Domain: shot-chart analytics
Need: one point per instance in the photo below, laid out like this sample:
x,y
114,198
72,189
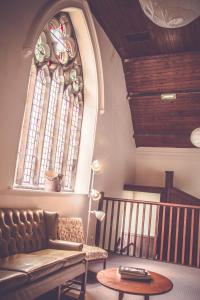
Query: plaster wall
x,y
151,164
113,145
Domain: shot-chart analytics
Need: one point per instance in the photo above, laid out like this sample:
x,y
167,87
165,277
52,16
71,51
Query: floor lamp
x,y
95,196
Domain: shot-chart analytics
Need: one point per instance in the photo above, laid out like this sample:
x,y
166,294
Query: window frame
x,y
41,134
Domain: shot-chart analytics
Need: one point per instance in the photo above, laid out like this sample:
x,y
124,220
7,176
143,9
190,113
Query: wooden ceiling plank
x,y
155,60
181,141
163,73
124,17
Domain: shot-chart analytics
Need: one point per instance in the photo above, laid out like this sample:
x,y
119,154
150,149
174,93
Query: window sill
x,y
41,193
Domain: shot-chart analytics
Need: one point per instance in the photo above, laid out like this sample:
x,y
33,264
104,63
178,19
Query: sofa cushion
x,y
68,258
11,279
93,253
35,266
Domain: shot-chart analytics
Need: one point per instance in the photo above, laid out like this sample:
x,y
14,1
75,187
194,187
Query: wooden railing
x,y
163,231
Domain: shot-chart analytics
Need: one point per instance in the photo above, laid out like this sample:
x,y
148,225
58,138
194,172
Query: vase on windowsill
x,y
53,181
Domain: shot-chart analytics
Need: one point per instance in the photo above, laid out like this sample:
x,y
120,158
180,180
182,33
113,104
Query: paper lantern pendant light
x,y
171,13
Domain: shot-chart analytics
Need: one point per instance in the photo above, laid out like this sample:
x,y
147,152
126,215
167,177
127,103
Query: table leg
x,y
146,297
120,296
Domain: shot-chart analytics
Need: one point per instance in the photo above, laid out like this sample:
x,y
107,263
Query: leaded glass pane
x,y
33,133
62,132
48,136
74,141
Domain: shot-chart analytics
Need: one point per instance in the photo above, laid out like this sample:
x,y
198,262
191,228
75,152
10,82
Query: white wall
x,y
151,164
114,144
114,147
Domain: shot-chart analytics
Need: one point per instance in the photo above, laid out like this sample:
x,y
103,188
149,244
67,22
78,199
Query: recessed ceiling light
x,y
168,97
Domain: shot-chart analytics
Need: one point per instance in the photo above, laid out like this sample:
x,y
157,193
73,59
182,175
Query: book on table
x,y
134,273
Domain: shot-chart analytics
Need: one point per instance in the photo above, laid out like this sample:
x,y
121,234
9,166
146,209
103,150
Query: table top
x,y
159,284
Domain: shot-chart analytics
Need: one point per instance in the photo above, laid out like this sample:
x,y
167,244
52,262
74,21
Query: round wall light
x,y
195,137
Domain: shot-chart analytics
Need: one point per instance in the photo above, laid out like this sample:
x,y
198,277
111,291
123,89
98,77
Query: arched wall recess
x,y
46,13
73,7
92,72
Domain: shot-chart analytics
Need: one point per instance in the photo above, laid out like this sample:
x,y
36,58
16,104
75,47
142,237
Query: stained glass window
x,y
52,122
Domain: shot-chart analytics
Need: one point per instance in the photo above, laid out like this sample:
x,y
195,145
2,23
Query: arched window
x,y
51,129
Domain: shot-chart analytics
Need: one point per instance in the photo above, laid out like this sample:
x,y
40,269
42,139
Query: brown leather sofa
x,y
32,260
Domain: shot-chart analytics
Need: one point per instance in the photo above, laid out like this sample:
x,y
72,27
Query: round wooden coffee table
x,y
156,286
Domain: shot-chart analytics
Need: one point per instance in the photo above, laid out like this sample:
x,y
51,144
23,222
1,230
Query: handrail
x,y
152,203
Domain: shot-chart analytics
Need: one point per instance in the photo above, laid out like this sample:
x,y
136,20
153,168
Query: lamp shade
x,y
100,215
195,137
95,166
96,195
171,13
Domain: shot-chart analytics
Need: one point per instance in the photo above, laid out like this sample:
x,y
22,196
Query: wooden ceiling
x,y
156,60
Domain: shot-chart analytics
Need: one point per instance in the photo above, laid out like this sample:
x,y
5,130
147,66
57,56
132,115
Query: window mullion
x,y
77,143
67,138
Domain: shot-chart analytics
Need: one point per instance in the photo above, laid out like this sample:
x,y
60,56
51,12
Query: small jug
x,y
53,181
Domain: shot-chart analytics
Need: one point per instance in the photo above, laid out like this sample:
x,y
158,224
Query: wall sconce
x,y
195,137
95,196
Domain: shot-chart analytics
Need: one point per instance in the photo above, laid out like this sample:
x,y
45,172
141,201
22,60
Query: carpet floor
x,y
186,280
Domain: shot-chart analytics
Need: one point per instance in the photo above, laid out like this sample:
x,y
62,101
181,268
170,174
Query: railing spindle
x,y
124,217
129,227
162,232
176,237
191,238
117,226
198,248
169,235
136,226
142,233
156,232
149,231
111,225
105,223
184,236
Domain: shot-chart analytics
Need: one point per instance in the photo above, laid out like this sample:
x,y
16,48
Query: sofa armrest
x,y
64,245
